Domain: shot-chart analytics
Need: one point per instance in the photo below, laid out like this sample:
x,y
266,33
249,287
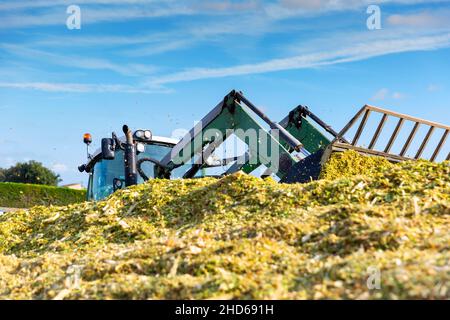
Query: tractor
x,y
293,150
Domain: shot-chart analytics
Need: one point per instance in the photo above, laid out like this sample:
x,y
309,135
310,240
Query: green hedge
x,y
18,195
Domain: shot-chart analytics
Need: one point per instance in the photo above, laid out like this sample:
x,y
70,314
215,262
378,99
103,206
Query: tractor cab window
x,y
109,175
105,173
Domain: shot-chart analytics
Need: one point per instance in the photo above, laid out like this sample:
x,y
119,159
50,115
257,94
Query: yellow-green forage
x,y
351,163
383,233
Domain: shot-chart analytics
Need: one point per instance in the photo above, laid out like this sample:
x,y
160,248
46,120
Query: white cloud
x,y
83,88
19,15
425,19
384,94
89,15
226,5
59,168
358,52
381,94
398,95
46,13
197,5
79,62
291,8
433,87
160,48
319,58
183,35
32,4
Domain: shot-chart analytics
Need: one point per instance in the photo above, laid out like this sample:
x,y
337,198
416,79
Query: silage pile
x,y
240,237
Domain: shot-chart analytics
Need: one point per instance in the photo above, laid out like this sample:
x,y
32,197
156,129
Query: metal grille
x,y
341,144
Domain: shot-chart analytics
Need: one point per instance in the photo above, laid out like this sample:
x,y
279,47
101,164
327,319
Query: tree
x,y
30,172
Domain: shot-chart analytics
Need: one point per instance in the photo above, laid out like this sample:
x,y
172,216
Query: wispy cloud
x,y
180,36
425,19
384,94
398,95
197,5
59,167
381,94
432,87
26,14
290,8
358,52
32,4
79,62
355,53
83,88
162,47
47,13
57,15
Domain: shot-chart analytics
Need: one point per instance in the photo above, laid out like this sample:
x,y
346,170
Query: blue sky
x,y
162,65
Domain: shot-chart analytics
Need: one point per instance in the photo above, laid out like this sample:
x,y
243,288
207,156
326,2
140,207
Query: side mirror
x,y
108,147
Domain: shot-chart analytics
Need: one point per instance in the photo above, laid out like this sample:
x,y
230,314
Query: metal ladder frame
x,y
339,144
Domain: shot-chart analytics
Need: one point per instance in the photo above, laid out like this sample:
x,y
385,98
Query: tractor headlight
x,y
143,135
139,134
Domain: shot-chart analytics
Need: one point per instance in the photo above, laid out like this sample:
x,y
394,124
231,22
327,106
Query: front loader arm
x,y
231,116
299,123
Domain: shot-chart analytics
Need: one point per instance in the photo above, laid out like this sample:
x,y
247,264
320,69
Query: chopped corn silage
x,y
240,237
351,163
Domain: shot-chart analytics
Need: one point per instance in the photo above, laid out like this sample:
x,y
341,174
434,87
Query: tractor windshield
x,y
108,173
